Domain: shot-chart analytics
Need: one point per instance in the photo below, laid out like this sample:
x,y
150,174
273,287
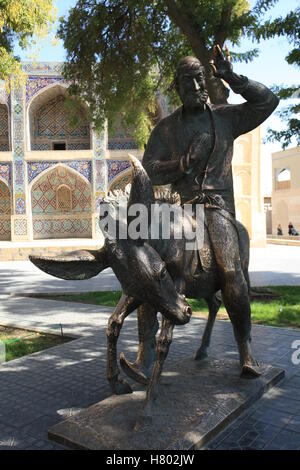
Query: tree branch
x,y
184,23
221,33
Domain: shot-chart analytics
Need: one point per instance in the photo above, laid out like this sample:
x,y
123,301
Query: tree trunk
x,y
218,92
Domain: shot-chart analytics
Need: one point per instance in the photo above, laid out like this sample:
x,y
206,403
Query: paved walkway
x,y
273,265
39,390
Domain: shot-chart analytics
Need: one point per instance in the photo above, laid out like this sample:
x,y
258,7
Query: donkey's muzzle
x,y
185,316
188,311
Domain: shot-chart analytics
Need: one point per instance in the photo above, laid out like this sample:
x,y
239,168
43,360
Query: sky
x,y
269,68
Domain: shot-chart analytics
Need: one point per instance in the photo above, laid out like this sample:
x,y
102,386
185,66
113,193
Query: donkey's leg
x,y
125,306
140,370
163,345
213,303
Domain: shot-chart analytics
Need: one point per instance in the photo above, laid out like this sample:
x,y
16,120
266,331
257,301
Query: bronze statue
x,y
192,150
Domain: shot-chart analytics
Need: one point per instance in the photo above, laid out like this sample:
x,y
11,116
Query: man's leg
x,y
224,239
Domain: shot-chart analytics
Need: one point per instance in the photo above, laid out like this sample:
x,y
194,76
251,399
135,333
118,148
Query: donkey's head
x,y
138,266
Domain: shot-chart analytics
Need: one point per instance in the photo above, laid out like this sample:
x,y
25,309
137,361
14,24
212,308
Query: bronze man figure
x,y
192,150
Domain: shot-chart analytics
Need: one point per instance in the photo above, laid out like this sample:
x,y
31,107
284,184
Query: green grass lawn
x,y
20,343
275,306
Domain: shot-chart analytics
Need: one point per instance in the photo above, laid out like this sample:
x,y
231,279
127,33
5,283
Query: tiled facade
x,y
53,174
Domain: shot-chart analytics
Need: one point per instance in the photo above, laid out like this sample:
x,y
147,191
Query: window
x,y
283,179
59,145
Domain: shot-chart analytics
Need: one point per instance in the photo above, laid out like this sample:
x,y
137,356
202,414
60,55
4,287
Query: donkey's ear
x,y
141,186
76,265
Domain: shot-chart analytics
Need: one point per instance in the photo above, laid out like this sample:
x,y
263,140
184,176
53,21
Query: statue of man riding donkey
x,y
191,150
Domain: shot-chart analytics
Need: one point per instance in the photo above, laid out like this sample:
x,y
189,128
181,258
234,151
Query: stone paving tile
x,y
271,416
294,424
295,382
249,434
285,440
39,426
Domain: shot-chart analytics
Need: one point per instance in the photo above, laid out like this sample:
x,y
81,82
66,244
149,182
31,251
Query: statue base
x,y
197,399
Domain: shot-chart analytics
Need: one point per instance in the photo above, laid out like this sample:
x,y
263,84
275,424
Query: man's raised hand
x,y
221,66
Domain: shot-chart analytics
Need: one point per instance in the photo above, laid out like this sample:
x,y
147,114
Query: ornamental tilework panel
x,y
5,228
36,146
120,138
35,84
18,129
124,144
121,182
20,203
20,227
19,176
44,192
99,177
62,228
4,133
99,145
43,68
51,122
5,173
100,181
78,146
5,212
81,166
18,151
5,199
115,167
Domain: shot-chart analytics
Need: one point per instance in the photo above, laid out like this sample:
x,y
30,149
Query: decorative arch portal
x,y
5,211
49,126
121,181
4,128
243,215
61,204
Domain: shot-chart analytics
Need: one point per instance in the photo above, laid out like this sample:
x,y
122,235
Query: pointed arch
x,y
61,204
283,178
48,122
59,164
121,180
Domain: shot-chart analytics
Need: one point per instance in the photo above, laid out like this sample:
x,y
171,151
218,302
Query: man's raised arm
x,y
260,101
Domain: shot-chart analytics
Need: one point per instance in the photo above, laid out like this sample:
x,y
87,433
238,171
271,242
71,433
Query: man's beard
x,y
195,99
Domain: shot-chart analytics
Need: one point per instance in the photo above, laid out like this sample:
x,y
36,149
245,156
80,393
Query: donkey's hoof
x,y
134,371
142,423
121,387
251,370
201,354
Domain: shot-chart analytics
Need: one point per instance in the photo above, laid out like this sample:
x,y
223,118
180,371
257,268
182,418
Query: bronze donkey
x,y
155,275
